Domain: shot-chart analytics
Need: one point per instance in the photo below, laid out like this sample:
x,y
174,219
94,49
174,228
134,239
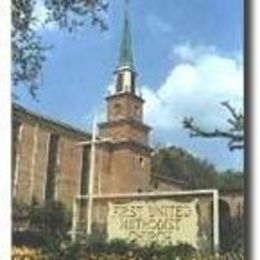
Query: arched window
x,y
141,161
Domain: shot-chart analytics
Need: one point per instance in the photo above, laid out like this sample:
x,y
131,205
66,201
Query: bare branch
x,y
236,147
230,108
235,134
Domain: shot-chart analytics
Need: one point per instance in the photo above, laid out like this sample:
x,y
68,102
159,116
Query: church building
x,y
52,160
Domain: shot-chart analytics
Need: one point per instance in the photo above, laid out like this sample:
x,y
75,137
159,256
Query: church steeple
x,y
127,157
125,71
126,54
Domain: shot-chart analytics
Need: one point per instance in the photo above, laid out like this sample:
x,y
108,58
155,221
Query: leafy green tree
x,y
179,164
231,180
28,50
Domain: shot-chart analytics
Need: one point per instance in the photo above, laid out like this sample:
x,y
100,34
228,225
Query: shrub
x,y
27,253
47,229
77,251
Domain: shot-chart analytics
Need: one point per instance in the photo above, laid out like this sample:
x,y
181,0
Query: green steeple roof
x,y
126,55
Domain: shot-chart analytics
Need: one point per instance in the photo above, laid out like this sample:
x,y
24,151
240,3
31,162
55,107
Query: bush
x,y
28,238
127,251
95,243
27,253
51,218
96,247
120,246
47,226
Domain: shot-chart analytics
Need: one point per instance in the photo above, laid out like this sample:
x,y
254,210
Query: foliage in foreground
x,y
24,252
119,250
46,228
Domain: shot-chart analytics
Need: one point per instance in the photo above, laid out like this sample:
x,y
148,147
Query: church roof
x,y
20,113
167,179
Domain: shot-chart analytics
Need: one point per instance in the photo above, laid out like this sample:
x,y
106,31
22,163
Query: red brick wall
x,y
25,150
125,131
41,165
126,173
32,160
68,171
126,106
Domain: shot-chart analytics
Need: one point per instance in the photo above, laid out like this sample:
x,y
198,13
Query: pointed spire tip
x,y
126,55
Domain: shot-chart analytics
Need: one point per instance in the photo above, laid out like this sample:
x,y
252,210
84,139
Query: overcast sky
x,y
189,58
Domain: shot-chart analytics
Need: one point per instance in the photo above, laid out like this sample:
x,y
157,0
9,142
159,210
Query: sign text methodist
x,y
161,221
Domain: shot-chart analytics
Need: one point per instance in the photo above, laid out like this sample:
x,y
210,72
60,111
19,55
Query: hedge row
x,y
118,250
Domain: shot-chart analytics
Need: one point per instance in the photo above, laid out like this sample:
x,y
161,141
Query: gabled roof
x,y
20,112
167,179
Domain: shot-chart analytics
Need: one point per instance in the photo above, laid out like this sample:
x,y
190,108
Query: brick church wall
x,y
124,131
31,155
121,171
41,165
68,171
22,171
124,105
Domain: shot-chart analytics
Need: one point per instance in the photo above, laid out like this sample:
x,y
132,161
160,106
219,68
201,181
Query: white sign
x,y
161,221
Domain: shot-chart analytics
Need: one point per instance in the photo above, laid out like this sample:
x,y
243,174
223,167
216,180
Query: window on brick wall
x,y
15,136
84,171
141,161
52,167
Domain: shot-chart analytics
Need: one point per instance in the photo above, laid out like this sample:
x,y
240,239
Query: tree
x,y
234,134
231,180
28,50
179,164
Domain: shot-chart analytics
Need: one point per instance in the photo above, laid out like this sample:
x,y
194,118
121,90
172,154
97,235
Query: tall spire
x,y
125,71
126,55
